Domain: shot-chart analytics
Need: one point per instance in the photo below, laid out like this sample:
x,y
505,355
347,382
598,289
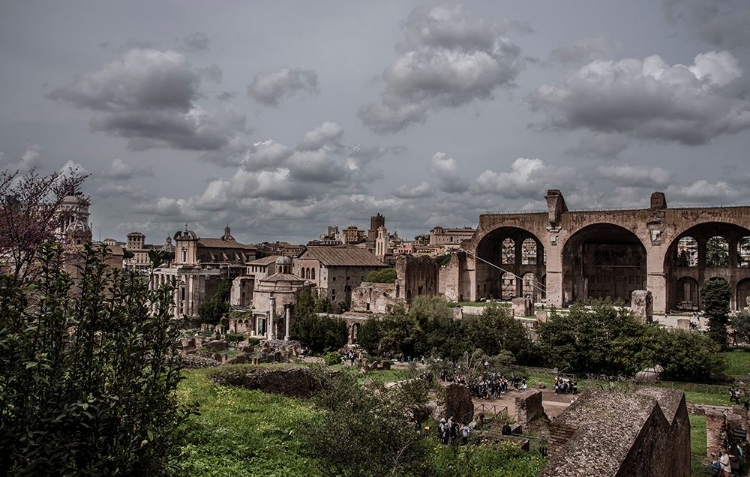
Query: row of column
x,y
271,332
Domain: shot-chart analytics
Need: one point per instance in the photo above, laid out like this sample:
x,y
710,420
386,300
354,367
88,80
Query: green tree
x,y
599,338
370,334
716,295
213,308
366,430
741,326
87,373
386,275
496,330
320,333
717,252
684,355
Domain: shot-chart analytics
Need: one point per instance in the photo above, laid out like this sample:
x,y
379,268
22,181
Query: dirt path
x,y
554,404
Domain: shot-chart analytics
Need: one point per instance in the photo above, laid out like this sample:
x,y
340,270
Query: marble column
x,y
288,316
271,312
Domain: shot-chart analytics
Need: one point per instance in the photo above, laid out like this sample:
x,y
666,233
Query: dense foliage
x,y
603,339
87,374
716,295
365,430
319,333
212,309
386,275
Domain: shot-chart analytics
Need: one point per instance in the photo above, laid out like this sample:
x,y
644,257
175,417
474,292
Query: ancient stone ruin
x,y
638,434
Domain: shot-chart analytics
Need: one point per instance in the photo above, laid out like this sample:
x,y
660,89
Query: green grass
x,y
738,362
241,432
698,435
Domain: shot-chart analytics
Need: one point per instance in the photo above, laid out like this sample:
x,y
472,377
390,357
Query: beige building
x,y
336,271
198,267
441,236
137,246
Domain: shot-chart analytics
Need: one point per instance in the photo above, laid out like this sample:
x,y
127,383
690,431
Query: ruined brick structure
x,y
564,255
529,407
638,434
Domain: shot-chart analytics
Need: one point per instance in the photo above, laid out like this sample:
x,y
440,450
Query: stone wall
x,y
451,277
416,276
522,306
529,407
643,433
374,297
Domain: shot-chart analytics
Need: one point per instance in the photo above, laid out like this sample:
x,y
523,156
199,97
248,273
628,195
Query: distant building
x,y
136,246
336,271
451,237
352,235
280,248
198,267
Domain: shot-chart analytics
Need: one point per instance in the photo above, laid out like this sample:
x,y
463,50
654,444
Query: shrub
x,y
332,358
233,337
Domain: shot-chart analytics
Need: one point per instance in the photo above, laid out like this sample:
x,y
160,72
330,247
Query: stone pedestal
x,y
522,306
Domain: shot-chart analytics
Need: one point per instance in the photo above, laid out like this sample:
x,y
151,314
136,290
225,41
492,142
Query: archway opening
x,y
717,252
687,252
504,255
743,252
603,261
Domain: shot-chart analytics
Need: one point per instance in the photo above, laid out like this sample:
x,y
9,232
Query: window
x,y
334,279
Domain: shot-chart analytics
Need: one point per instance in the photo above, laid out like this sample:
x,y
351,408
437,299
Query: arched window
x,y
743,252
717,252
312,273
508,252
687,252
528,252
508,286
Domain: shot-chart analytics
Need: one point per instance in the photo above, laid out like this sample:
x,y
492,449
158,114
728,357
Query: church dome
x,y
283,260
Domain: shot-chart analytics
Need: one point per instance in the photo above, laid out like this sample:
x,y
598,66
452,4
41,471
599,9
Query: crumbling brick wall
x,y
529,407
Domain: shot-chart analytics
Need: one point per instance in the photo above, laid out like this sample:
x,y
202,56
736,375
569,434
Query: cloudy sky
x,y
280,118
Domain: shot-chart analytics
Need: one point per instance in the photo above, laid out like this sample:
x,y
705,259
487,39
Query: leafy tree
x,y
741,326
684,356
87,374
31,209
369,335
320,333
496,330
400,332
682,259
716,294
212,309
386,275
365,430
596,339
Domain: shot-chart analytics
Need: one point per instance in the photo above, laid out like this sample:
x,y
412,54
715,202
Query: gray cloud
x,y
265,155
28,160
702,192
445,170
127,191
326,133
650,100
584,49
358,155
599,145
270,89
413,192
148,97
447,60
212,73
197,41
722,23
636,176
120,170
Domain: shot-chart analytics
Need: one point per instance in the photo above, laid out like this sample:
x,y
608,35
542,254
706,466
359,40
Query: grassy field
x,y
738,362
240,432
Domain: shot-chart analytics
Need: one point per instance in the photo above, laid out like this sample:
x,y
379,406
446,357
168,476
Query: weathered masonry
x,y
563,255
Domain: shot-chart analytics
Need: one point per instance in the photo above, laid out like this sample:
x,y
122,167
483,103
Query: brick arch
x,y
702,231
488,278
603,260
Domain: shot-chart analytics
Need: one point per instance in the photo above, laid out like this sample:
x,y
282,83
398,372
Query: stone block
x,y
642,305
683,324
522,306
458,403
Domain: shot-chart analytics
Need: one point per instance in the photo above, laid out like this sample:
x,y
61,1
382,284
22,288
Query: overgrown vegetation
x,y
319,333
88,375
716,294
386,275
212,309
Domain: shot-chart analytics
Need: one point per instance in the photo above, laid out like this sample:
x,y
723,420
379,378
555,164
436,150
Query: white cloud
x,y
527,179
447,60
636,176
702,191
270,89
722,23
445,169
266,154
650,99
599,145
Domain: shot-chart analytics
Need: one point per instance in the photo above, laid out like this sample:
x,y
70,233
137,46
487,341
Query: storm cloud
x,y
270,89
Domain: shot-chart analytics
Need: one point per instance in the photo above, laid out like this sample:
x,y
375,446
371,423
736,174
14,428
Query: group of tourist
x,y
565,386
449,431
492,385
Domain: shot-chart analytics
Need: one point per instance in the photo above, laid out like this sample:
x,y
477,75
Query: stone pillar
x,y
271,312
287,324
642,305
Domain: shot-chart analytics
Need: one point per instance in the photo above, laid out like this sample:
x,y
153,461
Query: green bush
x,y
386,275
87,373
234,337
252,341
332,358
